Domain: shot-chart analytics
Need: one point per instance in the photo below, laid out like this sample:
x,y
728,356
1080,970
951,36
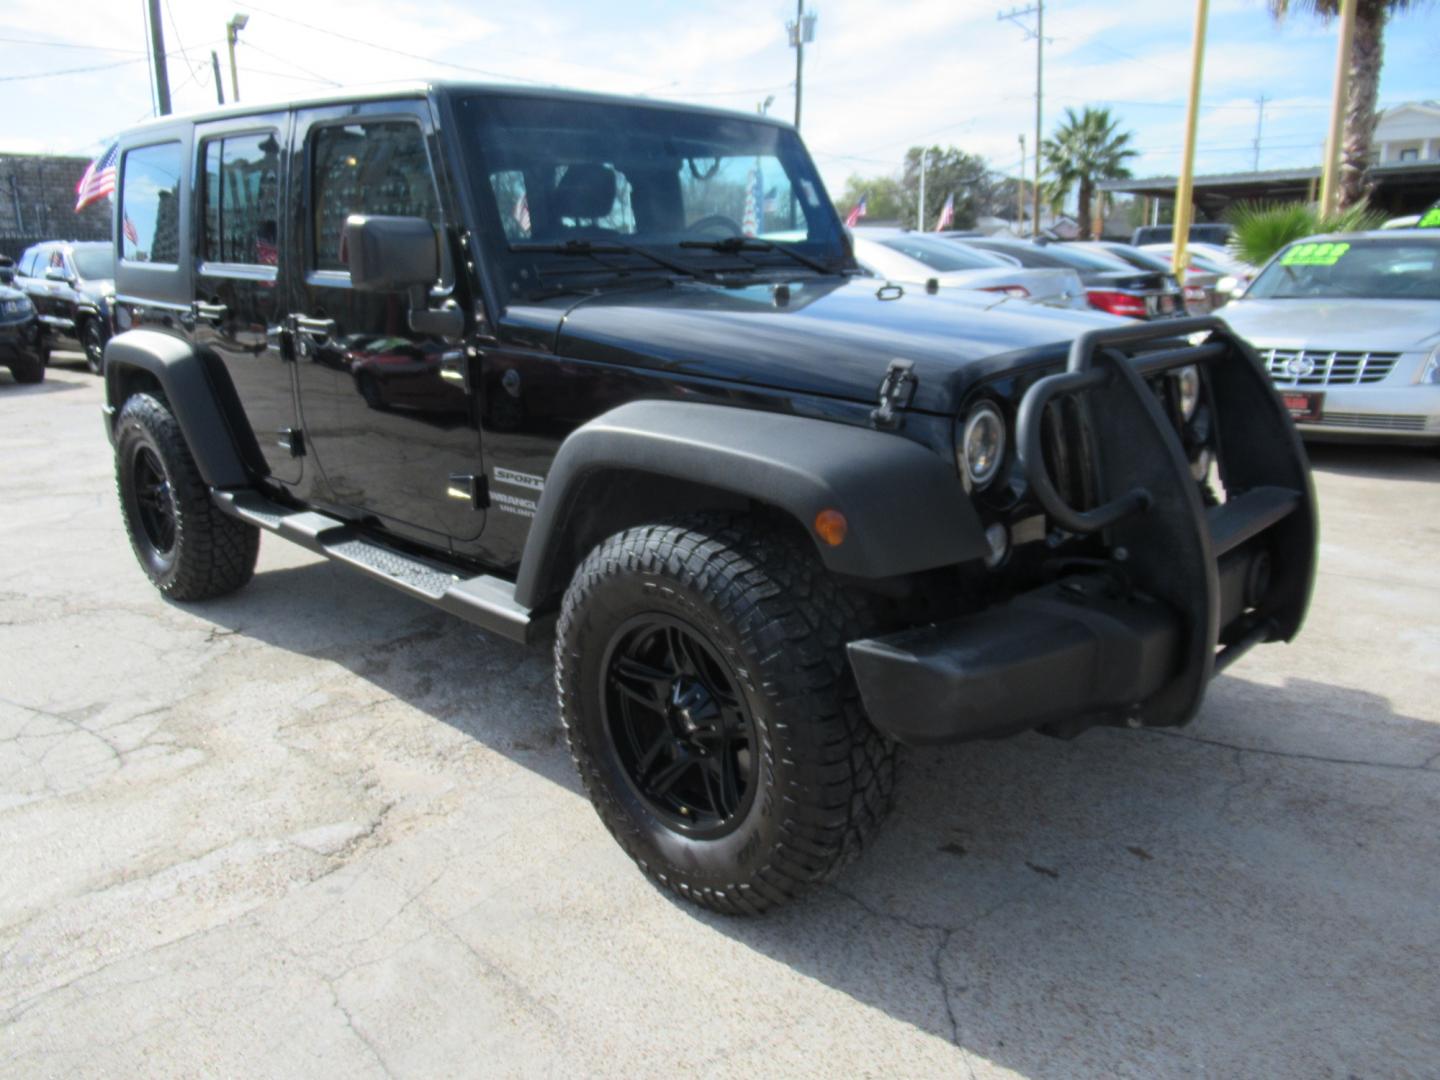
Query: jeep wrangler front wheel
x,y
711,714
188,548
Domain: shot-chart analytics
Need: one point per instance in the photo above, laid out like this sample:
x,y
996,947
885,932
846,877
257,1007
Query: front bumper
x,y
1187,589
1373,413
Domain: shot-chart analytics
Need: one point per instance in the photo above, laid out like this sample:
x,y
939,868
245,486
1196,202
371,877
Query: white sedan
x,y
917,259
1349,327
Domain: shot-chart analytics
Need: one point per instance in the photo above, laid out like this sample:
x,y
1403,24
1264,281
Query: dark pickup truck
x,y
605,370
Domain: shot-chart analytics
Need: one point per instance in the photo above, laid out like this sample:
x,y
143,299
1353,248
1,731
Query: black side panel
x,y
192,397
905,505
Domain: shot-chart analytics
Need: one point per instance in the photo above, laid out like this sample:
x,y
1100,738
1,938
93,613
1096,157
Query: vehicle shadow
x,y
19,389
1252,896
1375,462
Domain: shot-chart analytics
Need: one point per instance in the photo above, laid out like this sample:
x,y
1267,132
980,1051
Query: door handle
x,y
318,329
211,313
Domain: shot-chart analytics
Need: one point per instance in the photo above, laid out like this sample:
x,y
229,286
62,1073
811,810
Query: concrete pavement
x,y
319,829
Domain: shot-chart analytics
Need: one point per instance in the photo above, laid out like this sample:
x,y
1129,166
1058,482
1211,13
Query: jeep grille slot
x,y
1066,447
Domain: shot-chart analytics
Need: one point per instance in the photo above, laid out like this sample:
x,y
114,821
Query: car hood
x,y
1360,325
829,337
97,289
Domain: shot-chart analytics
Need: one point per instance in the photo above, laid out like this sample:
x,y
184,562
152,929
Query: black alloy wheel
x,y
684,735
154,502
92,336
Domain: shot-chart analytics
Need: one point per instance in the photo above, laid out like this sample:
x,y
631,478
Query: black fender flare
x,y
193,398
905,506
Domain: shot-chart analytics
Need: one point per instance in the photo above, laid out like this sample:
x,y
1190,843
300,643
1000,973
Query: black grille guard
x,y
1151,513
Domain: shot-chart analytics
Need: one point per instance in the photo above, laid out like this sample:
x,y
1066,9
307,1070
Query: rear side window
x,y
150,204
242,200
27,262
370,168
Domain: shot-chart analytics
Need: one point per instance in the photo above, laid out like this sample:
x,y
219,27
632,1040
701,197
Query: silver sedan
x,y
1349,327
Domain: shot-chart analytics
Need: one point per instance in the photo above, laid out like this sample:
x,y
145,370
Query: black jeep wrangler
x,y
535,356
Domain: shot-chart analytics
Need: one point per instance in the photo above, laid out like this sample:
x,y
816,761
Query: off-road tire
x,y
28,369
92,340
763,601
211,554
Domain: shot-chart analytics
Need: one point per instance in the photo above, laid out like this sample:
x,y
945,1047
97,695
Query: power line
x,y
71,71
315,75
67,45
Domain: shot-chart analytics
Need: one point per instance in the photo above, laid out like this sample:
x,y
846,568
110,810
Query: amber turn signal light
x,y
831,526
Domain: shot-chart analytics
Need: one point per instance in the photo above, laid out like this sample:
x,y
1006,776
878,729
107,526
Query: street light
x,y
237,23
764,107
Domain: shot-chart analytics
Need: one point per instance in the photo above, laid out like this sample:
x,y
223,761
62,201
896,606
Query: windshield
x,y
552,172
94,262
944,255
1378,269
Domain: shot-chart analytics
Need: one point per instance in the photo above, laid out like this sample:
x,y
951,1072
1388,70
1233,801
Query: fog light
x,y
997,536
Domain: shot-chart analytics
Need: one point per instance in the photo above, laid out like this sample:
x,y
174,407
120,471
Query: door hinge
x,y
474,489
896,390
293,439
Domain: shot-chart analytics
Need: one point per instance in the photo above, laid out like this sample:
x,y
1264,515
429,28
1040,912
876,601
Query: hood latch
x,y
896,390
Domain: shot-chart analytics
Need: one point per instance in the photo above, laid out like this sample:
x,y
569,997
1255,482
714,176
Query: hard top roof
x,y
426,88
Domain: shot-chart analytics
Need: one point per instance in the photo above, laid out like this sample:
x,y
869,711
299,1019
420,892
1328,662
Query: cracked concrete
x,y
317,828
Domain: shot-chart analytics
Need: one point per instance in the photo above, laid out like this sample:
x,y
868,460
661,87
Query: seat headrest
x,y
586,190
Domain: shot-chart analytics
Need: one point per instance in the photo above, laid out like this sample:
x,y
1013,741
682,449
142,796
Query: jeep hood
x,y
828,337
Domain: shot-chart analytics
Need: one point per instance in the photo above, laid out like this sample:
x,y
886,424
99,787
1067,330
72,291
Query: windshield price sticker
x,y
1314,254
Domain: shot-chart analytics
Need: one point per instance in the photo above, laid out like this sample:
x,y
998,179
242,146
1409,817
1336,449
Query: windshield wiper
x,y
596,248
734,245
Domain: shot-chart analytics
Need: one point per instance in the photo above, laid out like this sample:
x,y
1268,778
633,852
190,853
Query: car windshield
x,y
621,183
1359,268
944,255
94,262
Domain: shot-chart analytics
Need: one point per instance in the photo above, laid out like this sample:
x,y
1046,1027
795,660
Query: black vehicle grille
x,y
1069,456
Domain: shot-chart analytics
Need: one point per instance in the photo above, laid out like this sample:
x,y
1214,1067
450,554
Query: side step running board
x,y
489,602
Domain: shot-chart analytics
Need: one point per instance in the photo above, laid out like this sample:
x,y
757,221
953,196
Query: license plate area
x,y
1303,404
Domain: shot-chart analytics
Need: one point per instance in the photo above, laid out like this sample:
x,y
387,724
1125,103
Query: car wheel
x,y
92,337
28,369
369,390
187,547
711,713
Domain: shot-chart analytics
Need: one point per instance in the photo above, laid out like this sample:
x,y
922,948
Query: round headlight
x,y
1430,374
1187,388
982,445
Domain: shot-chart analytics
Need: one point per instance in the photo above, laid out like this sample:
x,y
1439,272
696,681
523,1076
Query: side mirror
x,y
401,254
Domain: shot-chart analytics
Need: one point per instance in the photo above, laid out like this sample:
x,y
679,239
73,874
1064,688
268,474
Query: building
x,y
37,202
1408,132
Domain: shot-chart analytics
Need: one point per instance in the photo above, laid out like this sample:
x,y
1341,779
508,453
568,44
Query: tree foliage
x,y
1086,148
979,191
884,197
1263,228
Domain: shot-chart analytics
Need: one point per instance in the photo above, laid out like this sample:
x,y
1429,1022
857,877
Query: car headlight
x,y
1187,389
1430,374
982,444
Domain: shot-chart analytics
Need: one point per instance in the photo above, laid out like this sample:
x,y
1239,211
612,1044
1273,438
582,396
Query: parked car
x,y
1349,327
915,258
1204,232
20,337
776,516
1235,274
1200,293
1111,285
72,286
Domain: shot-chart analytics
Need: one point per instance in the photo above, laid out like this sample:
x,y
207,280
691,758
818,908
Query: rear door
x,y
388,412
240,280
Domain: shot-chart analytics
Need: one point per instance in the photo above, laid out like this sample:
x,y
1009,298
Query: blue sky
x,y
880,76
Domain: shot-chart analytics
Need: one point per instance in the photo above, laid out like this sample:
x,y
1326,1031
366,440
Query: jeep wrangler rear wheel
x,y
711,714
188,548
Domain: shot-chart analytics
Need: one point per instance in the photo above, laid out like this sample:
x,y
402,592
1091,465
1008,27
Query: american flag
x,y
856,212
947,214
521,213
130,232
99,179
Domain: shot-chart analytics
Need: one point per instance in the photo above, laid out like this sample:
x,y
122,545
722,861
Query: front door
x,y
387,411
239,287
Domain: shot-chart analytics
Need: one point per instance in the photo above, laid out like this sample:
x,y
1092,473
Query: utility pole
x,y
1015,15
219,85
237,23
802,32
157,54
1020,191
1329,187
1259,130
1185,189
920,206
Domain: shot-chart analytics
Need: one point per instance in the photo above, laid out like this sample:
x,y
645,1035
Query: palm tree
x,y
1367,54
1086,148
